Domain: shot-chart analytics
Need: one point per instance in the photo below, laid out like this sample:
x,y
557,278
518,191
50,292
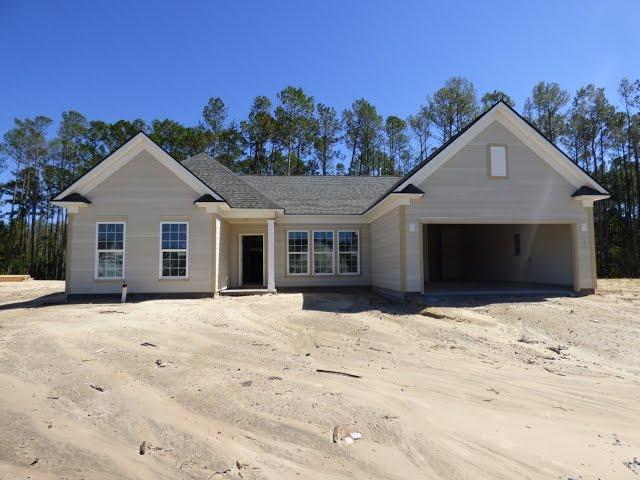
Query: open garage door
x,y
497,256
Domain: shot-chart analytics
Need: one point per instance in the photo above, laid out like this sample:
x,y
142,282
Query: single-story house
x,y
498,203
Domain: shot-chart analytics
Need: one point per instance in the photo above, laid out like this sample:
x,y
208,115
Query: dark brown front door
x,y
252,260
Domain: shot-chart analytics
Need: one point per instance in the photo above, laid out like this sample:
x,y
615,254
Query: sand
x,y
466,389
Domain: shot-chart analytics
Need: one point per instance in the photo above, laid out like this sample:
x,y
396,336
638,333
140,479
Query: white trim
x,y
250,213
386,205
501,220
212,207
240,279
271,273
359,248
588,200
529,136
320,219
124,252
308,253
160,276
122,156
313,252
71,207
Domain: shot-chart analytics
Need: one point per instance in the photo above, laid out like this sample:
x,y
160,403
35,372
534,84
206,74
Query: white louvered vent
x,y
498,161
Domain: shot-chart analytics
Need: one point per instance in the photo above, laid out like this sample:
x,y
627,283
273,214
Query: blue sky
x,y
153,59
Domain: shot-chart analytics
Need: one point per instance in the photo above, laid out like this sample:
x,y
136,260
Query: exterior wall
x,y
461,191
385,251
283,279
143,193
235,230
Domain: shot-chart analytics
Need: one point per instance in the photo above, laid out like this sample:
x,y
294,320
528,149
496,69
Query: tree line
x,y
293,134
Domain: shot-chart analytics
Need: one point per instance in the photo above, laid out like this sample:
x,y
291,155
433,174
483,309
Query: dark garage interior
x,y
497,255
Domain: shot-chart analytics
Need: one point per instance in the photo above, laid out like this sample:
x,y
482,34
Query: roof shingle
x,y
296,194
235,191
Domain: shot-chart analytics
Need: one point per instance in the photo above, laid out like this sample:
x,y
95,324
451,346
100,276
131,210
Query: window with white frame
x,y
110,250
349,252
298,252
174,250
323,252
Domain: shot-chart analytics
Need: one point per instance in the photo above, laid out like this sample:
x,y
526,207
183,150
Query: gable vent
x,y
497,161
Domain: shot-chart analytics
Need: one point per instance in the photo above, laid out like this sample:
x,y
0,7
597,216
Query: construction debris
x,y
335,372
341,434
633,465
525,339
558,350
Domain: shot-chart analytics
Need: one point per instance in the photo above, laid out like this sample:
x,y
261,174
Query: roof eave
x,y
588,200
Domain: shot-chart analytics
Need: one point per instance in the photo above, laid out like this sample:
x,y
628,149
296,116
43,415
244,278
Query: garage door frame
x,y
572,222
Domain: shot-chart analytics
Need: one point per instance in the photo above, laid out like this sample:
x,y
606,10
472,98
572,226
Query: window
x,y
349,252
323,253
498,161
110,250
298,252
516,244
174,246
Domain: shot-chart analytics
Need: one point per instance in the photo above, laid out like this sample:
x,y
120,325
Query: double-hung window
x,y
323,252
298,252
174,250
348,252
110,250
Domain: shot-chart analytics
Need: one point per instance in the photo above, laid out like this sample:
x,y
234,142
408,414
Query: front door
x,y
252,260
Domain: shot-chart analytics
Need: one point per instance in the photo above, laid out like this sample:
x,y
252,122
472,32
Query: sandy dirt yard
x,y
229,388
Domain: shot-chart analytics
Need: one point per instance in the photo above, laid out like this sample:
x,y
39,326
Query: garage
x,y
497,257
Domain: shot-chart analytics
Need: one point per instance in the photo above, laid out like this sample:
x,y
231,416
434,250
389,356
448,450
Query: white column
x,y
271,274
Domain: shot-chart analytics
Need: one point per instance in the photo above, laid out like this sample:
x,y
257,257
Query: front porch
x,y
243,256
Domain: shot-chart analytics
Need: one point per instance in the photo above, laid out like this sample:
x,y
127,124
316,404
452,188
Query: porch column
x,y
271,274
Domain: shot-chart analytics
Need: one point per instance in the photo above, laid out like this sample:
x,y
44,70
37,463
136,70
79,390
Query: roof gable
x,y
116,160
518,126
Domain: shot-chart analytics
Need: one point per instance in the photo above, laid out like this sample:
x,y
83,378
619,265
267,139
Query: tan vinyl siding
x,y
386,270
460,191
143,193
285,280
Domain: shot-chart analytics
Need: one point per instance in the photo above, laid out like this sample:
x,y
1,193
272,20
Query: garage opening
x,y
496,257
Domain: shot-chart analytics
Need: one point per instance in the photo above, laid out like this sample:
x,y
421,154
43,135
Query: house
x,y
496,204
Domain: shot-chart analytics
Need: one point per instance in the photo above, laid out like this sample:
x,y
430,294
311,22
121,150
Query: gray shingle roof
x,y
236,192
297,195
322,195
585,190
